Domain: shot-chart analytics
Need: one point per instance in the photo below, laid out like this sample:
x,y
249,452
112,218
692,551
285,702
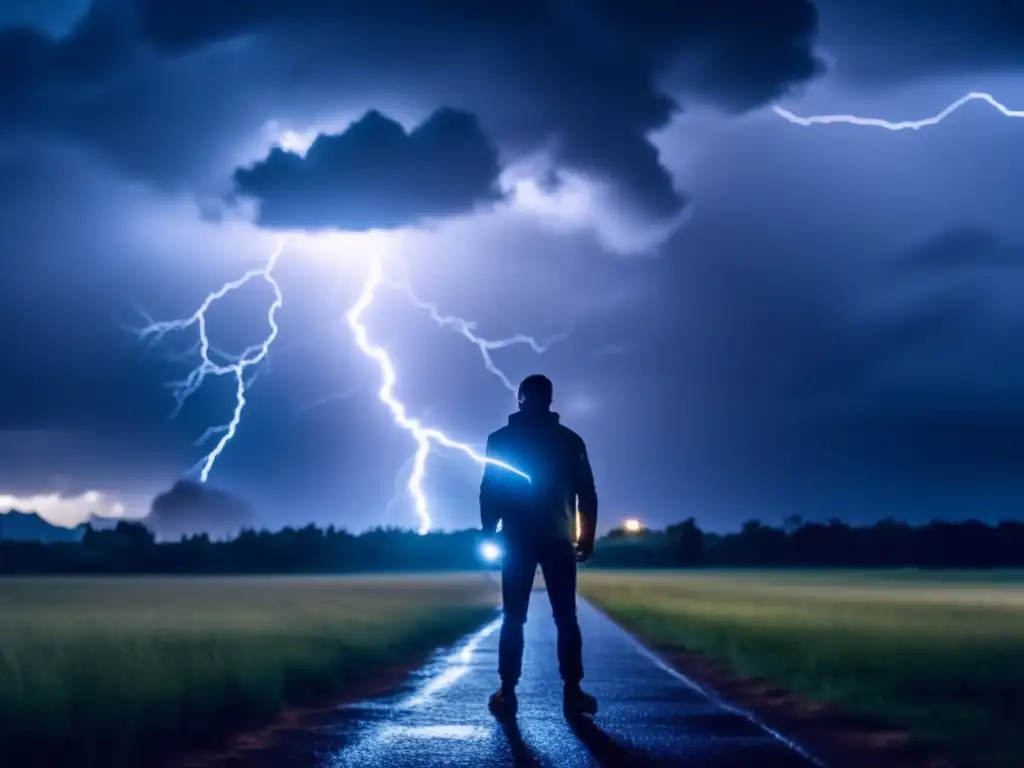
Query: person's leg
x,y
517,575
558,563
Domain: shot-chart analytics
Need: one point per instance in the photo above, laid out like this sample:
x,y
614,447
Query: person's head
x,y
535,393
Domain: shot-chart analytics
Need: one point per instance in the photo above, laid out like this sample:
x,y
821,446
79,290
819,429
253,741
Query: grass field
x,y
940,654
110,672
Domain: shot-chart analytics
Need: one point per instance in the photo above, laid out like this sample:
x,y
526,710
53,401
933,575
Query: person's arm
x,y
490,493
586,500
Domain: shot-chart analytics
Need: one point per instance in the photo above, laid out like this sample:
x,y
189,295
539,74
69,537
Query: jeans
x,y
557,561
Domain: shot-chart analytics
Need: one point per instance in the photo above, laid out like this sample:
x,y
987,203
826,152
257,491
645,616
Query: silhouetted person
x,y
538,519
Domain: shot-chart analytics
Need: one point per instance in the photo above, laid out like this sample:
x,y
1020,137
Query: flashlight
x,y
490,551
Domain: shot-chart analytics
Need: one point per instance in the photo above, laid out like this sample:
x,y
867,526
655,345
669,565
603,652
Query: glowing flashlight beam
x,y
423,436
490,551
467,329
902,125
242,368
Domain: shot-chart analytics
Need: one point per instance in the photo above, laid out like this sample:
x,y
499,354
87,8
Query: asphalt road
x,y
649,716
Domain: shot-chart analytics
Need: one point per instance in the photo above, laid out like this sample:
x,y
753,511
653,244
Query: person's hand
x,y
584,550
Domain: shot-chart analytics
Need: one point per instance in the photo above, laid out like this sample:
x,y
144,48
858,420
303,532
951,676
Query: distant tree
x,y
792,524
687,542
129,547
125,535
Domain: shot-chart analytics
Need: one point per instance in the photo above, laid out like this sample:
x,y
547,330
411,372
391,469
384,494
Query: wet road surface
x,y
649,715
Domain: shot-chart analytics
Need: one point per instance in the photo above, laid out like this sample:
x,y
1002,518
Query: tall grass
x,y
110,672
941,655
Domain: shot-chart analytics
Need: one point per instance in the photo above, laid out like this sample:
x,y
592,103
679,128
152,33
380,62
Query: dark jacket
x,y
544,507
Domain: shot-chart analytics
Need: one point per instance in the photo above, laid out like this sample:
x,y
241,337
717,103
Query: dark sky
x,y
764,319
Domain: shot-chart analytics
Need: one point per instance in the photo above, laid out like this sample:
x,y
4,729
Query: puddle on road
x,y
454,732
454,667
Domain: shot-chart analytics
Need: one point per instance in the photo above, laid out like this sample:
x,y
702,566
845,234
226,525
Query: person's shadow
x,y
604,748
521,753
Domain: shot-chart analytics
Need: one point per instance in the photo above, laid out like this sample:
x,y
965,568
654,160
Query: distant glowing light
x,y
632,525
900,125
490,551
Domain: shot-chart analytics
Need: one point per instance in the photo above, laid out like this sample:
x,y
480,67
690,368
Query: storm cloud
x,y
189,508
376,176
583,84
877,42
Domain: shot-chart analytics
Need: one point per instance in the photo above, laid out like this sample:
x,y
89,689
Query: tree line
x,y
799,544
132,548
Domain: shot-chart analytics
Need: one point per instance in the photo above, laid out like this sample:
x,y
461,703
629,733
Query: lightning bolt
x,y
422,435
467,328
243,368
903,125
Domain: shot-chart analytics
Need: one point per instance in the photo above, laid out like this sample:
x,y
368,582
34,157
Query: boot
x,y
576,702
503,702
